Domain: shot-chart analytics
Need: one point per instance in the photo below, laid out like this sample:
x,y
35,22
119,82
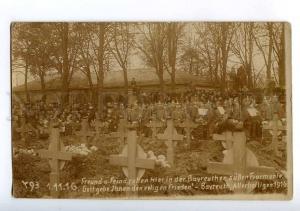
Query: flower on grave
x,y
81,149
264,122
17,152
93,148
160,160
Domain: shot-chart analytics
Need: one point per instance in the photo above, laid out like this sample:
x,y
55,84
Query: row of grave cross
x,y
85,133
133,159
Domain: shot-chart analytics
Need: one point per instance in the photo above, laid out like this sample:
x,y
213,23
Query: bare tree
x,y
120,46
215,41
242,47
263,38
65,58
85,56
174,36
33,45
153,47
99,38
207,48
279,51
20,54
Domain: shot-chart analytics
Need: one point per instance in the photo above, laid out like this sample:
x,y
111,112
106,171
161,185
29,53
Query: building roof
x,y
114,79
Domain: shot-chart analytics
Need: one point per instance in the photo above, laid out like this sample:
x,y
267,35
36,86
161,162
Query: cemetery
x,y
140,139
128,163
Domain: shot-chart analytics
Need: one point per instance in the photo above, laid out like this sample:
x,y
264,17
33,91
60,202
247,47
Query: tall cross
x,y
239,165
169,136
226,137
22,129
99,126
275,127
56,155
133,158
155,125
188,126
26,129
121,133
84,132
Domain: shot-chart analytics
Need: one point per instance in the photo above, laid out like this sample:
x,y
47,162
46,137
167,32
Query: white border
x,y
163,10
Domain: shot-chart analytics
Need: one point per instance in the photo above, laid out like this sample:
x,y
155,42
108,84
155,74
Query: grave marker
x,y
121,133
25,130
57,156
169,136
188,126
275,127
202,111
252,112
239,159
99,126
221,110
133,161
155,125
84,132
226,137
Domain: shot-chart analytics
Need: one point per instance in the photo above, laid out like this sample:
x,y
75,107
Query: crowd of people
x,y
205,107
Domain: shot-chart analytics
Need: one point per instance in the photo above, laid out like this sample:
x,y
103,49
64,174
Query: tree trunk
x,y
43,87
26,82
90,81
281,63
100,78
250,55
161,82
173,79
172,36
125,79
216,68
223,72
270,32
65,72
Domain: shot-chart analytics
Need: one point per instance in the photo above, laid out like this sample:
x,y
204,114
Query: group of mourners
x,y
206,108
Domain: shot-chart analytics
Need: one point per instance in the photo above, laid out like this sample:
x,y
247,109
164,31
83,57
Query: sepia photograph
x,y
151,110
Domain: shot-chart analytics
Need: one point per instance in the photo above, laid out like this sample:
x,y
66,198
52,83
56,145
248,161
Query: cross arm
x,y
113,135
177,137
219,137
58,155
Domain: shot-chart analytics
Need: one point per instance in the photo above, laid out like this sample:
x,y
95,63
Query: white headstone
x,y
252,112
202,111
221,110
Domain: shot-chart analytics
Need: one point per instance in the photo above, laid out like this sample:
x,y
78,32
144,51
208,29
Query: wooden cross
x,y
22,129
155,125
275,127
121,133
56,155
239,165
188,126
226,136
99,125
133,160
25,130
84,132
169,136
